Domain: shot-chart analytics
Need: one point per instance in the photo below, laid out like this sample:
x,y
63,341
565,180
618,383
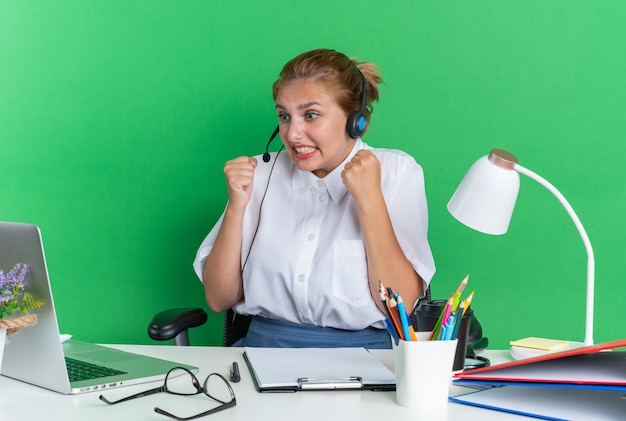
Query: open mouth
x,y
303,152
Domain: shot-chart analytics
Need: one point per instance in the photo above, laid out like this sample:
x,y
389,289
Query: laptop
x,y
37,354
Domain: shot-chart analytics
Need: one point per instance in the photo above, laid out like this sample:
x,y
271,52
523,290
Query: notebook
x,y
294,369
37,355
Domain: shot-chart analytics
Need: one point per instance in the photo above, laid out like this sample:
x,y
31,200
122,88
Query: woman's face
x,y
312,126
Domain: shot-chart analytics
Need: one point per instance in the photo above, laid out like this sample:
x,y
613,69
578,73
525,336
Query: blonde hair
x,y
339,73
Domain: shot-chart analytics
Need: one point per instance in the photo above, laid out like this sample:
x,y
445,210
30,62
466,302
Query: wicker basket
x,y
15,324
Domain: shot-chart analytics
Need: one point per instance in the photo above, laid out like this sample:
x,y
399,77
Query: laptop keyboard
x,y
80,370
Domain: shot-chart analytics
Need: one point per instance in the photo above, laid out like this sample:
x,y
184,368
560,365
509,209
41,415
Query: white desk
x,y
22,401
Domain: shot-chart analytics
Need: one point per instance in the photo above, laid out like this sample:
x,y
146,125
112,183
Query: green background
x,y
116,119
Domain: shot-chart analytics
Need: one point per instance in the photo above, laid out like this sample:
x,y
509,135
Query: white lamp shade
x,y
486,197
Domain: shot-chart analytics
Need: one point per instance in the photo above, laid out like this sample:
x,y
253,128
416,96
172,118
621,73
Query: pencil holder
x,y
423,372
428,313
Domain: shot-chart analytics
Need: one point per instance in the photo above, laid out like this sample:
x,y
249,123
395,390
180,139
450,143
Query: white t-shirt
x,y
307,263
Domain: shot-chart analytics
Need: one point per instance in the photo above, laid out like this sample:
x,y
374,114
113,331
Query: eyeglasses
x,y
182,382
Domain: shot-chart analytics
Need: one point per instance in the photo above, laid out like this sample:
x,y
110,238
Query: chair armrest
x,y
170,323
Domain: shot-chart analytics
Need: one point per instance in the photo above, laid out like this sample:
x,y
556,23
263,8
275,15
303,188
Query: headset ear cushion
x,y
356,124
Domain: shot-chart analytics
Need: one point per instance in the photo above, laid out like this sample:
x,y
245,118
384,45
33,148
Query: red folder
x,y
587,366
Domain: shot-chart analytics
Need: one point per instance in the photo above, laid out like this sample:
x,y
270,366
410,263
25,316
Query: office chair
x,y
174,324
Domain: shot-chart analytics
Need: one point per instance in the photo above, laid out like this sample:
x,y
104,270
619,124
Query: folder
x,y
550,403
587,366
586,383
300,369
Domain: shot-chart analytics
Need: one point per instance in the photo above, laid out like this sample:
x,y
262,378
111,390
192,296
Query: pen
x,y
234,373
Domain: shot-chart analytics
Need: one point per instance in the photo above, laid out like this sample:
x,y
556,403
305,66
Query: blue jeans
x,y
276,334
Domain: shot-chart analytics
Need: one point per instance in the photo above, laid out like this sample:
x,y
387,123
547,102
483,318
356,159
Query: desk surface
x,y
23,401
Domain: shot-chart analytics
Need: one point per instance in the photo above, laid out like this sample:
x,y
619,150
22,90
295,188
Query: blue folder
x,y
550,403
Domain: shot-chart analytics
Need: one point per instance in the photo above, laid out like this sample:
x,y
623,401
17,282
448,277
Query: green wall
x,y
116,118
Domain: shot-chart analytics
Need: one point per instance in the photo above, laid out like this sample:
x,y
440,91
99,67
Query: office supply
x,y
392,331
446,332
586,366
485,200
436,333
235,377
294,369
423,372
398,321
395,317
394,325
540,343
457,294
445,328
36,354
429,313
549,403
447,312
404,319
585,383
460,311
383,299
468,302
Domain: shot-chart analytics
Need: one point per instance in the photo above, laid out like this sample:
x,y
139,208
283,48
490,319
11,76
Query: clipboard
x,y
584,367
307,369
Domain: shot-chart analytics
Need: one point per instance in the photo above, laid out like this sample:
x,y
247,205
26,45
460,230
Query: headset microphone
x,y
266,155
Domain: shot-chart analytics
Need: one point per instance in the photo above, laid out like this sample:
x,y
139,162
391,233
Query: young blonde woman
x,y
309,231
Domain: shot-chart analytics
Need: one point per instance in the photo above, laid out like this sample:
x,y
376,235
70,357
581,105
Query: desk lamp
x,y
485,199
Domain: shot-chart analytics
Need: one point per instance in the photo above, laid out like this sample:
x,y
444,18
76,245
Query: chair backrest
x,y
236,326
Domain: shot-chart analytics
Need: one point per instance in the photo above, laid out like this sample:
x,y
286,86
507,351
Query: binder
x,y
550,403
586,383
587,366
303,369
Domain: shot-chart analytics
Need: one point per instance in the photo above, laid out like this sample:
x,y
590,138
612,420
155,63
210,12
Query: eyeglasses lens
x,y
182,382
217,388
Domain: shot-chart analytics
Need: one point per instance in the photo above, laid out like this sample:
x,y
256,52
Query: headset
x,y
355,125
266,155
356,119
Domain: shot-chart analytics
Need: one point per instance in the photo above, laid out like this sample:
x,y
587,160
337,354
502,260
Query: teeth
x,y
305,149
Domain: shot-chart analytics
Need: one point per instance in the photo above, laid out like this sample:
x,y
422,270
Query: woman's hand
x,y
361,176
239,174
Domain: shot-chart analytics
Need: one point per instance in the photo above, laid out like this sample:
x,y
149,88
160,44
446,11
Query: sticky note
x,y
540,343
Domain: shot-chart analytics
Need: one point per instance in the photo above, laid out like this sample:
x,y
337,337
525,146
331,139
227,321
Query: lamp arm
x,y
587,243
